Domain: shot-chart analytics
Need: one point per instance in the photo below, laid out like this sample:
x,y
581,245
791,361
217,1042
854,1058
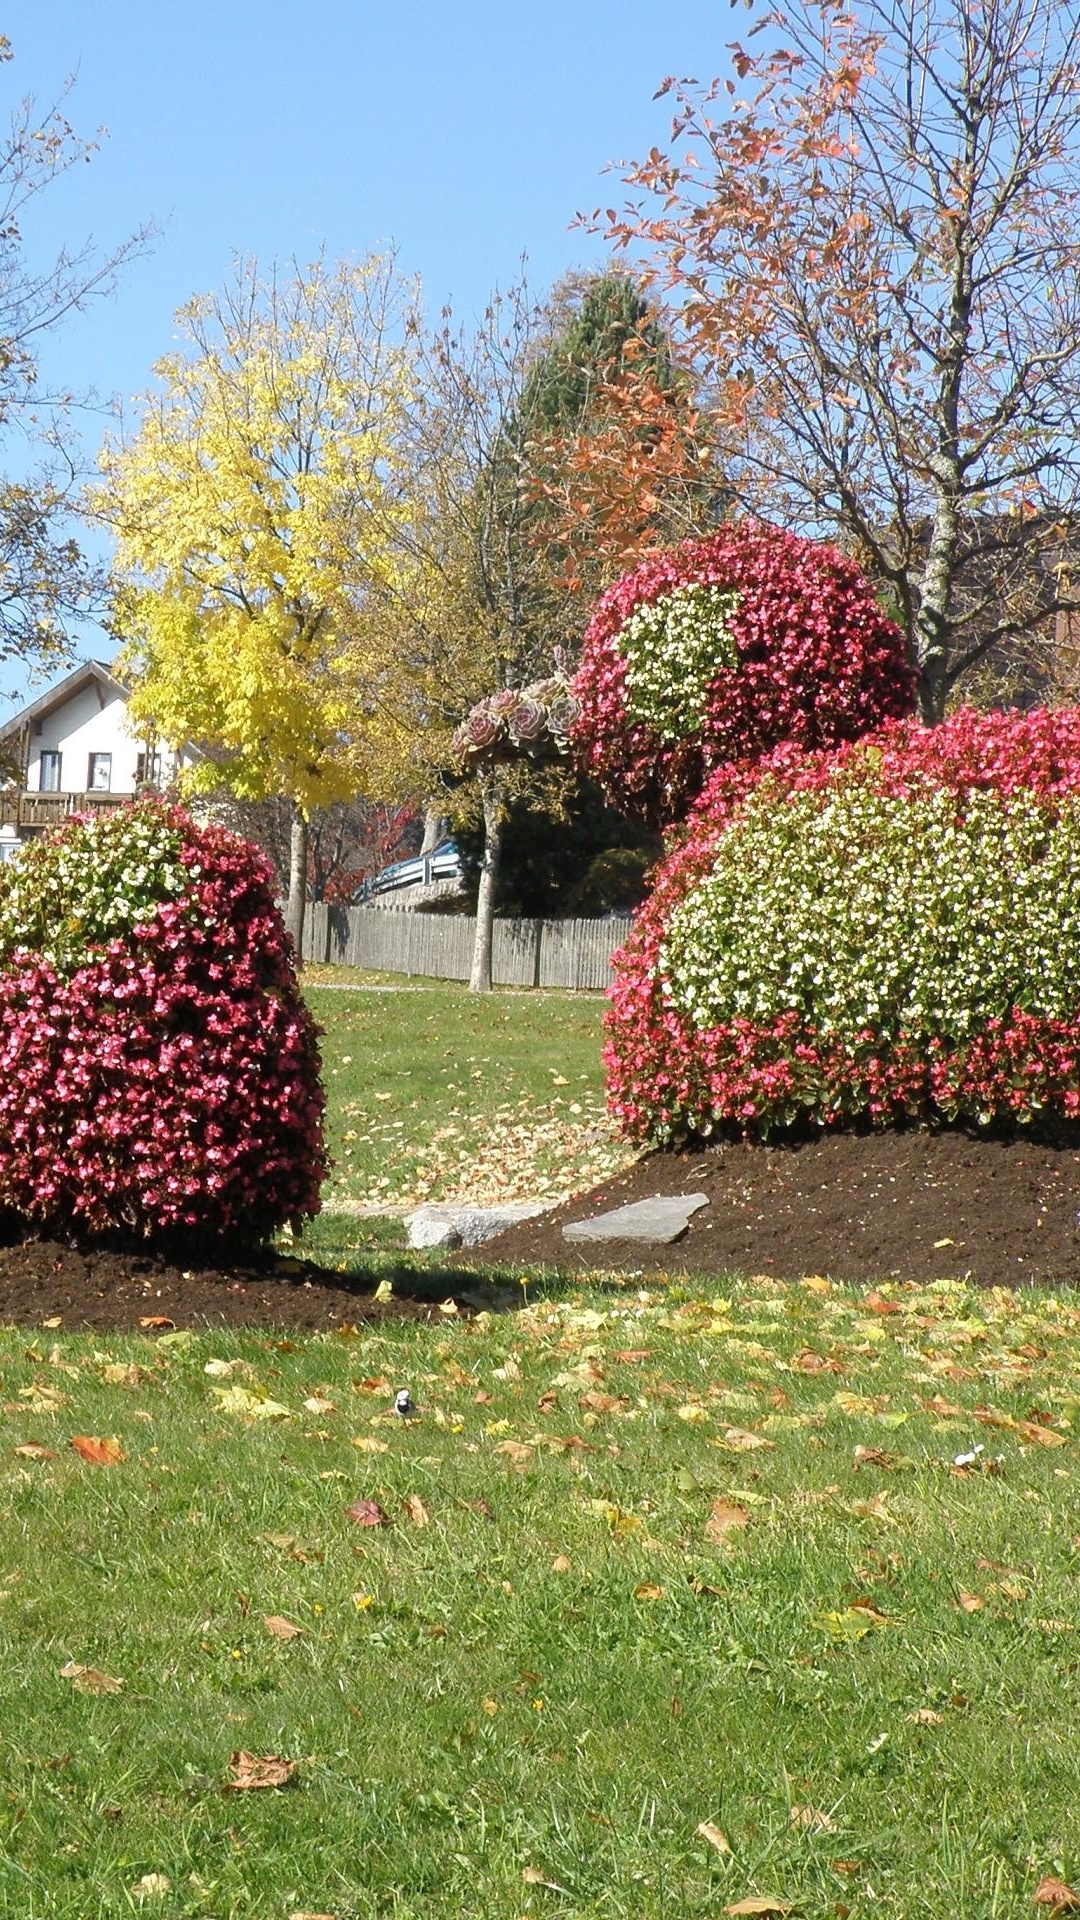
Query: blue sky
x,y
465,134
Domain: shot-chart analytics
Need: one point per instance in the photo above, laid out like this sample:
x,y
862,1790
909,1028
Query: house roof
x,y
91,673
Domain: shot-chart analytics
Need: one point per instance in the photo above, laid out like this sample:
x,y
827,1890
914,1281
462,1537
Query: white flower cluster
x,y
673,648
921,915
88,884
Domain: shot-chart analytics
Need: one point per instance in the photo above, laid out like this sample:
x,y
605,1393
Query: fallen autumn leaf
x,y
368,1513
252,1771
100,1453
90,1679
708,1830
723,1520
760,1903
1056,1895
279,1627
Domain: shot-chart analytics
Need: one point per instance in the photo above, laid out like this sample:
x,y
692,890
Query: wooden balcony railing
x,y
21,809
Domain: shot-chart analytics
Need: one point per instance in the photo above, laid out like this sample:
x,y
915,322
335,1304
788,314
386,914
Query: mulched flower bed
x,y
117,1290
907,1205
903,1205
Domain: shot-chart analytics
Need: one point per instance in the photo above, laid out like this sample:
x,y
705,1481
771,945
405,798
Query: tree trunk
x,y
480,977
932,627
298,866
434,828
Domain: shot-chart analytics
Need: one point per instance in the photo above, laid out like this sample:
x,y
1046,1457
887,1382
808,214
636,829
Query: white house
x,y
72,751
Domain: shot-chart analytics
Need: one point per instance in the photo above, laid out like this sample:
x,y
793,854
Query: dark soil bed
x,y
859,1207
907,1205
108,1288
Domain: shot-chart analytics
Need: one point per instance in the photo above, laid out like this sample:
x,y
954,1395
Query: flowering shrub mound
x,y
721,649
158,1068
889,930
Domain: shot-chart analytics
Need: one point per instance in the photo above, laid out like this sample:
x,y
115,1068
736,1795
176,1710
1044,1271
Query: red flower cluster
x,y
818,662
667,1079
172,1081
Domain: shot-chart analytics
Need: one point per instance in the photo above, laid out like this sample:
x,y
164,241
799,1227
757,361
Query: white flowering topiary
x,y
673,648
91,884
872,912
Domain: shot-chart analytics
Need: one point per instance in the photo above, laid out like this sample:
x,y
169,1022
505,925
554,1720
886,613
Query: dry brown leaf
x,y
593,1402
33,1450
741,1440
926,1717
534,1877
631,1356
281,1628
969,1602
366,1444
878,1457
416,1510
878,1304
517,1452
810,1362
723,1520
368,1513
1032,1430
90,1679
252,1770
648,1590
811,1820
716,1837
561,1564
760,1903
316,1404
100,1453
155,1322
548,1402
116,1374
1056,1895
152,1886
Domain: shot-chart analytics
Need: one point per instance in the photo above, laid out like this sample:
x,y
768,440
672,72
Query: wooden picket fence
x,y
525,953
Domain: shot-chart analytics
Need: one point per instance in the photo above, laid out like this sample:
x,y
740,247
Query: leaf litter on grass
x,y
771,1600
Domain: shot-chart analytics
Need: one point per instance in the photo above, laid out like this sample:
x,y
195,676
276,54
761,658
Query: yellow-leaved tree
x,y
253,510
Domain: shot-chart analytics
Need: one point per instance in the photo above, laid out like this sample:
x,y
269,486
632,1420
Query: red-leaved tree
x,y
871,237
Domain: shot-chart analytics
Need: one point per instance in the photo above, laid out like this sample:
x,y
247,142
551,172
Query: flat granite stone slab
x,y
658,1221
468,1226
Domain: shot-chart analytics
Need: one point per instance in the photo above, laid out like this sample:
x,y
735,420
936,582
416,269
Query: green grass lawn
x,y
436,1093
651,1560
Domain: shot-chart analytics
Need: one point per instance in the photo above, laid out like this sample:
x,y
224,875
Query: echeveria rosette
x,y
721,649
530,722
166,1078
888,931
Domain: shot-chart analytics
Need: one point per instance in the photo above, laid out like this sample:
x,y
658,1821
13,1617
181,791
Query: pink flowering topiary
x,y
887,931
721,649
159,1071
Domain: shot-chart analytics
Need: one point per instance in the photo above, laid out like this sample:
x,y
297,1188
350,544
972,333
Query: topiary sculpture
x,y
159,1071
721,649
888,931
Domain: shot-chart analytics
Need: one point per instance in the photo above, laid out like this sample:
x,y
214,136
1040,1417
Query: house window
x,y
148,770
50,772
99,776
